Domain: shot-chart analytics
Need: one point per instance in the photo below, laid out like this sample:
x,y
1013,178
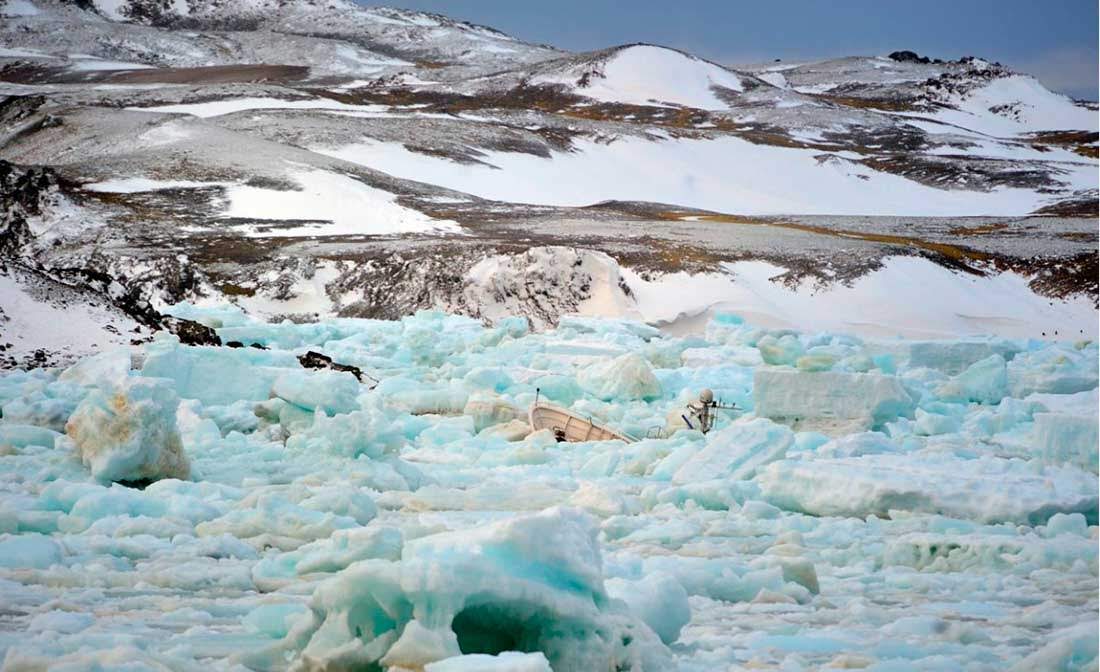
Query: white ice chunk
x,y
367,432
1073,648
829,400
508,661
626,377
1068,439
130,433
332,392
60,622
14,437
105,368
984,381
784,349
984,490
953,357
533,583
214,376
1055,368
489,409
658,599
29,551
736,452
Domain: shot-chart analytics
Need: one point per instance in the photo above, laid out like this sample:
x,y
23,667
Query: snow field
x,y
927,509
325,203
724,174
217,108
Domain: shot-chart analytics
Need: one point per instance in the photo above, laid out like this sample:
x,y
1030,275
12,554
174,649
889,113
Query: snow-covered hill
x,y
643,75
335,37
319,157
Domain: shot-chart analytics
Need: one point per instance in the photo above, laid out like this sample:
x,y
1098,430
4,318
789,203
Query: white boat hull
x,y
569,426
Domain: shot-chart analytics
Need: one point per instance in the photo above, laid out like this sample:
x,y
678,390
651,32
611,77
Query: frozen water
x,y
509,661
531,583
128,431
878,504
830,399
626,377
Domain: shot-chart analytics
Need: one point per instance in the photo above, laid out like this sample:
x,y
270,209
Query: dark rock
x,y
23,194
191,332
316,360
258,346
139,484
234,344
906,56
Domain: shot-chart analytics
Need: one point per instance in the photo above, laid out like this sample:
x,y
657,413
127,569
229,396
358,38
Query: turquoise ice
x,y
877,504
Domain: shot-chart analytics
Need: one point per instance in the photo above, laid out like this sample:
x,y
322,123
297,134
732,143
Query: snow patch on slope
x,y
18,8
217,108
889,302
724,174
335,204
37,314
1016,104
134,185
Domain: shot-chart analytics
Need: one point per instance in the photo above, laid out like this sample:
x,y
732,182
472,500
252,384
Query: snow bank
x,y
570,280
331,204
134,185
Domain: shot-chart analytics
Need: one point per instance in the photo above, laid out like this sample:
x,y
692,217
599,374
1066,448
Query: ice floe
x,y
877,503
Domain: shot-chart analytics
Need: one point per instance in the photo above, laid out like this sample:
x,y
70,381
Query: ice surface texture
x,y
886,504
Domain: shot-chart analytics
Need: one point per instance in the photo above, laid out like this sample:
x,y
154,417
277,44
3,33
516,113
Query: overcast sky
x,y
1054,40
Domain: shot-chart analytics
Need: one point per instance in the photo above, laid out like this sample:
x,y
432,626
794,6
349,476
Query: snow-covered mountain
x,y
321,157
330,36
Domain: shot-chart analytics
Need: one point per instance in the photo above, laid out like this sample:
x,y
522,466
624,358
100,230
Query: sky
x,y
1056,41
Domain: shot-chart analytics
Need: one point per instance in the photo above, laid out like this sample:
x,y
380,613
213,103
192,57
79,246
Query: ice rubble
x,y
532,583
873,502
